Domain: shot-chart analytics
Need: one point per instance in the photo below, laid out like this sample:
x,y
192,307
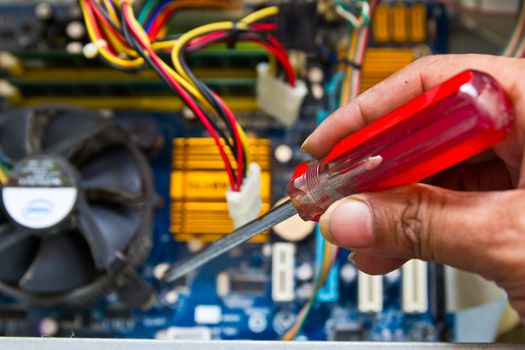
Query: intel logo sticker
x,y
38,209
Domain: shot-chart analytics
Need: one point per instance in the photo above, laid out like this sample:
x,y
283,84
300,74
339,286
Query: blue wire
x,y
160,7
331,89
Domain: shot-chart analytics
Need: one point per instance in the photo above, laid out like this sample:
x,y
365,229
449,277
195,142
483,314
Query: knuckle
x,y
415,225
426,60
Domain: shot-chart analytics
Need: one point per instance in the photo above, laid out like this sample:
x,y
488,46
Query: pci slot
x,y
283,265
369,293
415,287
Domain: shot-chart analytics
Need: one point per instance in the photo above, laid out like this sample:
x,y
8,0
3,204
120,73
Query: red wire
x,y
264,27
279,51
96,29
231,118
207,37
106,24
281,57
159,22
162,18
184,95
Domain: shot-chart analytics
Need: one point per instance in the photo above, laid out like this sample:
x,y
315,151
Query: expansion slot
x,y
415,287
283,264
369,293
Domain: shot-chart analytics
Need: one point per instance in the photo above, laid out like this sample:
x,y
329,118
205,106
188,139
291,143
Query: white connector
x,y
283,265
245,205
415,287
90,50
277,98
369,292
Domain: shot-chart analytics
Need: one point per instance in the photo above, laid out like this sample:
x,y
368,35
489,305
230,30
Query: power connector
x,y
245,205
277,98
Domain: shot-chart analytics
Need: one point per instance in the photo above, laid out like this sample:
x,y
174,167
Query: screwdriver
x,y
446,125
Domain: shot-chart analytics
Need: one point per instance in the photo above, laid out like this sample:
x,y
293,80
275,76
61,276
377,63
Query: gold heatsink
x,y
198,186
379,63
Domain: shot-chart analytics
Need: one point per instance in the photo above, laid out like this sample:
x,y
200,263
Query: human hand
x,y
470,218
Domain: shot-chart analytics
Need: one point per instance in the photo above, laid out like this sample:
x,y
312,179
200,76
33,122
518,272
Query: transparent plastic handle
x,y
444,126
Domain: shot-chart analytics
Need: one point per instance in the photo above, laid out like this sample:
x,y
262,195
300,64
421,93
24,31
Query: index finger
x,y
397,90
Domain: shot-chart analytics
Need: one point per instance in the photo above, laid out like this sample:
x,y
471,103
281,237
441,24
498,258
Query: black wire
x,y
232,37
208,95
250,34
134,43
107,16
206,92
114,25
127,70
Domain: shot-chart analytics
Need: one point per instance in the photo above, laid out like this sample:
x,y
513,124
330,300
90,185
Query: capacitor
x,y
293,229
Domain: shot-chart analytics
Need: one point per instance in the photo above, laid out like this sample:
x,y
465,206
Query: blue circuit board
x,y
196,310
249,316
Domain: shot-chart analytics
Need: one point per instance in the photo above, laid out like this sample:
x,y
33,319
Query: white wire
x,y
351,18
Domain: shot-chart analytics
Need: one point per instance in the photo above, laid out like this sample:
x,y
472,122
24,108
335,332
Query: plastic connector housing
x,y
283,265
369,293
277,98
245,205
415,287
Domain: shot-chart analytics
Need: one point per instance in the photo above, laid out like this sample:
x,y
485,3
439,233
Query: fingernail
x,y
348,223
351,256
303,146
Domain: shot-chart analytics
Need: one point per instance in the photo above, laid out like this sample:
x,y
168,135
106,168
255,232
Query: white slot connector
x,y
277,98
415,287
245,205
283,265
369,293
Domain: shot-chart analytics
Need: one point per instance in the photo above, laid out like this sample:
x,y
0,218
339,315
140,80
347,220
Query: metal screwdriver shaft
x,y
237,237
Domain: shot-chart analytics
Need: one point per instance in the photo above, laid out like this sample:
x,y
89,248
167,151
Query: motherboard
x,y
140,184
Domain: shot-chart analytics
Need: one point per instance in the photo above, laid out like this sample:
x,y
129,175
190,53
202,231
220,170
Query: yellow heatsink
x,y
400,23
198,186
379,63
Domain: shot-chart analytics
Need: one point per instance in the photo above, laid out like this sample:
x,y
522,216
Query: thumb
x,y
468,230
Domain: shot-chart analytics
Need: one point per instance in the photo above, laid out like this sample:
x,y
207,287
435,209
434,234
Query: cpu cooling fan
x,y
78,206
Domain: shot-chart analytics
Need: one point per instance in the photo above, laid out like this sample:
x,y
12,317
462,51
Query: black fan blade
x,y
68,127
108,230
62,263
115,169
17,250
14,143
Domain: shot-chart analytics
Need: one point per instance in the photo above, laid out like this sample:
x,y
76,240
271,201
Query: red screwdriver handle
x,y
442,127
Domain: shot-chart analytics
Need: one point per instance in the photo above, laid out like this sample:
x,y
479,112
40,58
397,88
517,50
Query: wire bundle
x,y
126,44
349,76
329,257
516,44
354,53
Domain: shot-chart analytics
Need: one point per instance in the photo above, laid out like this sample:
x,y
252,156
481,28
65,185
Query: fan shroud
x,y
99,242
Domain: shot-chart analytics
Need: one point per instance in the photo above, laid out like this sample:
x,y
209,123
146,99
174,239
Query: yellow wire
x,y
163,45
103,51
184,83
345,93
117,43
162,32
188,84
3,178
112,12
179,73
329,250
213,27
196,32
259,15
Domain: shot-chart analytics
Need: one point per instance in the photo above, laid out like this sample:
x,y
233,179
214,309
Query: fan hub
x,y
41,192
